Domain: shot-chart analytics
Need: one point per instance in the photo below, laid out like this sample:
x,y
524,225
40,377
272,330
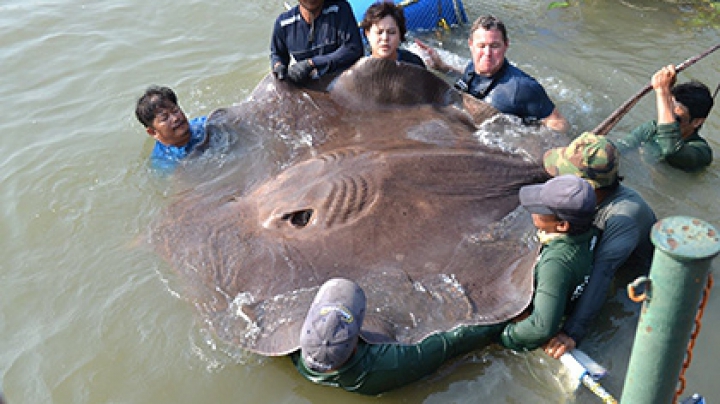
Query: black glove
x,y
300,72
280,71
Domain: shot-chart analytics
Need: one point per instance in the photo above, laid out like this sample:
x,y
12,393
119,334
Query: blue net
x,y
422,15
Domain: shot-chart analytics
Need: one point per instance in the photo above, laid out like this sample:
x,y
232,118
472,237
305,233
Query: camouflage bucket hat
x,y
589,156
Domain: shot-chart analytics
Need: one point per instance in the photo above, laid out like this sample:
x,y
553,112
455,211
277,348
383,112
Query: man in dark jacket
x,y
623,217
320,36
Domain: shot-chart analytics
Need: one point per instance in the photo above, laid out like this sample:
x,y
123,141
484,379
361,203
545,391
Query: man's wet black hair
x,y
155,98
695,96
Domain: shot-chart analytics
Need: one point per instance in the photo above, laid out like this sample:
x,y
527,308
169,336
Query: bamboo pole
x,y
612,120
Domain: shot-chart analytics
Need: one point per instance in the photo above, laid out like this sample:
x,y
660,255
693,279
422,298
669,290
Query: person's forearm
x,y
663,98
341,58
662,82
435,62
541,325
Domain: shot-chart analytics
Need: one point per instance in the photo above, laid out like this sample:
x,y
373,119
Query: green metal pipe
x,y
684,248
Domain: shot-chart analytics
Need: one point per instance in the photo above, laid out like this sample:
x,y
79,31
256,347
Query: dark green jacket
x,y
375,369
561,273
664,142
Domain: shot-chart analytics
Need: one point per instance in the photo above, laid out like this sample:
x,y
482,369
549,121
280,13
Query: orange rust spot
x,y
672,243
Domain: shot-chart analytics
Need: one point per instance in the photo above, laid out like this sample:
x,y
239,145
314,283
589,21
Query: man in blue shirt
x,y
321,36
165,121
492,78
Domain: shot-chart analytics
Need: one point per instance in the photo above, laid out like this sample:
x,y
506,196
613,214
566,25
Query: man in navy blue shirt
x,y
166,122
321,36
491,78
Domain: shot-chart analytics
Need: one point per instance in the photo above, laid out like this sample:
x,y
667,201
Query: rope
x,y
693,337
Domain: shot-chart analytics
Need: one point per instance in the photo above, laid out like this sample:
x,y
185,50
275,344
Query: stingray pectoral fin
x,y
479,110
374,83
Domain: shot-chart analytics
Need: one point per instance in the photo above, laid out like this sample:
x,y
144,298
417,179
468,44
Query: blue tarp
x,y
421,15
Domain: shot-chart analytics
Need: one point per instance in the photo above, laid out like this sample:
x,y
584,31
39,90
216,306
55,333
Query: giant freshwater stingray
x,y
383,179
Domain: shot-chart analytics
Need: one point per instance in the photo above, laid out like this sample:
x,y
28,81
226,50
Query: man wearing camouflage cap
x,y
622,216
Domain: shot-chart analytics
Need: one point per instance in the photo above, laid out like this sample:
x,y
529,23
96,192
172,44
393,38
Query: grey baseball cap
x,y
568,197
332,326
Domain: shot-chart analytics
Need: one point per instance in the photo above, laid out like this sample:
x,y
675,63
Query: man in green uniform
x,y
562,210
332,352
674,137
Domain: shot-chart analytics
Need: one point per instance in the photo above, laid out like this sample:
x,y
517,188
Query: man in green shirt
x,y
674,136
562,210
332,352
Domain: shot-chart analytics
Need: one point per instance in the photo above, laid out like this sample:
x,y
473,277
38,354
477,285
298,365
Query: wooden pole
x,y
612,120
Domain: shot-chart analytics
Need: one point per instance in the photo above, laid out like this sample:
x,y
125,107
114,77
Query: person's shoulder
x,y
625,205
197,131
695,137
288,17
630,192
573,252
523,82
162,158
409,57
160,151
555,258
568,244
558,246
339,3
625,194
581,239
337,6
198,121
513,71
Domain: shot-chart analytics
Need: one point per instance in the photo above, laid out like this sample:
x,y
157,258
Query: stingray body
x,y
388,186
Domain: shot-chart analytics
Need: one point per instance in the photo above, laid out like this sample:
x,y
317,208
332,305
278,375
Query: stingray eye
x,y
299,218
